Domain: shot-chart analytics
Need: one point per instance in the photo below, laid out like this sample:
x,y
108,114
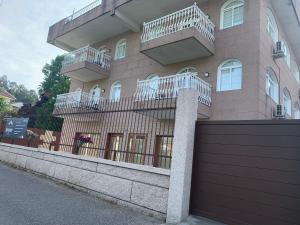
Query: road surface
x,y
26,199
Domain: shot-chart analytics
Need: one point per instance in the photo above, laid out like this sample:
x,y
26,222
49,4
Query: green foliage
x,y
4,106
21,93
5,109
54,83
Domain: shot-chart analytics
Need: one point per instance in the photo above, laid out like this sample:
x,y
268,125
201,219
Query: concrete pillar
x,y
182,157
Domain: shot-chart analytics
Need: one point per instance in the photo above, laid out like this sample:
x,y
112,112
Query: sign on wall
x,y
15,127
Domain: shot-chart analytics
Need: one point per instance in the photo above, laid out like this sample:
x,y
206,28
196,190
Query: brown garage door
x,y
247,172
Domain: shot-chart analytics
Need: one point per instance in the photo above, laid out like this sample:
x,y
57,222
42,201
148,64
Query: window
x,y
94,97
297,112
295,70
163,152
121,49
89,149
287,57
272,26
272,85
232,14
230,75
184,81
153,86
114,148
287,102
187,70
136,149
115,92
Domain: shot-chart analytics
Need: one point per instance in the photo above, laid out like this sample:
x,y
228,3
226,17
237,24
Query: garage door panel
x,y
234,216
252,184
251,162
252,151
289,205
254,173
247,172
251,140
250,129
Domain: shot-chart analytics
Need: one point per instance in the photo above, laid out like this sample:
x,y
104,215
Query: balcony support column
x,y
182,156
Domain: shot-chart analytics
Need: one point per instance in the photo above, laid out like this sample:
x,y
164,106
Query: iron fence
x,y
127,130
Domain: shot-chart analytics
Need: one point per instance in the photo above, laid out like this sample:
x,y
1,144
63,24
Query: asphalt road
x,y
26,199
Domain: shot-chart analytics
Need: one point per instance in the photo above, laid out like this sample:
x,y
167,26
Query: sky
x,y
24,28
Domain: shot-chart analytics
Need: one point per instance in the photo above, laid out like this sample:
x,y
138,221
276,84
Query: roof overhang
x,y
107,21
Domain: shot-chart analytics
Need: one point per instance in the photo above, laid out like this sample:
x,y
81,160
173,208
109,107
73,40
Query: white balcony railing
x,y
168,87
177,21
89,54
84,10
78,99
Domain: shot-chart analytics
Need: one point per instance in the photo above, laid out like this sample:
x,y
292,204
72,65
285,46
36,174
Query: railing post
x,y
182,156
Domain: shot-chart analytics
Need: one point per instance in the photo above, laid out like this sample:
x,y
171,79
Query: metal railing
x,y
177,21
84,10
126,131
168,87
89,54
78,99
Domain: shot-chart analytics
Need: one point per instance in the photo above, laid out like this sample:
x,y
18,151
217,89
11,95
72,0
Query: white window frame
x,y
271,81
272,25
297,112
223,9
116,84
188,69
287,102
92,97
221,68
153,87
295,71
287,52
121,48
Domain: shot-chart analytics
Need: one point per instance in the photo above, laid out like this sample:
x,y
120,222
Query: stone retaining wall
x,y
142,187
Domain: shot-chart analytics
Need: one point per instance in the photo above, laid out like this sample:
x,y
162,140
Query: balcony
x,y
106,19
76,102
86,64
168,87
181,36
155,94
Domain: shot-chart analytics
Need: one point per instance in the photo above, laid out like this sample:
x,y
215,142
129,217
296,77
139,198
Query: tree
x,y
54,83
5,109
21,93
4,106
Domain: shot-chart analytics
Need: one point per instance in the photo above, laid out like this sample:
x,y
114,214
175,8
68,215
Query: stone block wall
x,y
141,187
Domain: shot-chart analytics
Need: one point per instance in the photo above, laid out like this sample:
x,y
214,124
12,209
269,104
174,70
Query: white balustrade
x,y
89,54
78,99
84,10
168,87
177,21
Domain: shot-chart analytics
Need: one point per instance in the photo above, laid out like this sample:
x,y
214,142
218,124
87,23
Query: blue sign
x,y
15,127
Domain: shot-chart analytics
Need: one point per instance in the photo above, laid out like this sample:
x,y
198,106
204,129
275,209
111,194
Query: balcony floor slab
x,y
180,46
85,71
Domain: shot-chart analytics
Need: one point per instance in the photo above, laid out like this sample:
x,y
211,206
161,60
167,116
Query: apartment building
x,y
241,56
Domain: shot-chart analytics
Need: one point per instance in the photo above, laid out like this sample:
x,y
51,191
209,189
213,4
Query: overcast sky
x,y
24,27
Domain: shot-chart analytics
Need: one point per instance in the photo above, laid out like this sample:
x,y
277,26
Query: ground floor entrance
x,y
247,172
